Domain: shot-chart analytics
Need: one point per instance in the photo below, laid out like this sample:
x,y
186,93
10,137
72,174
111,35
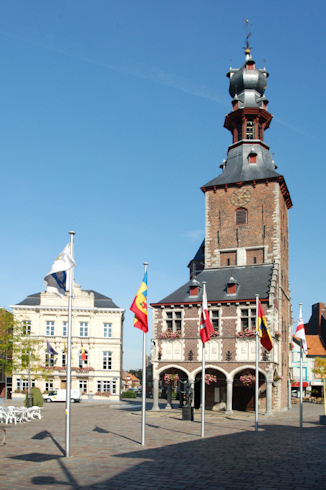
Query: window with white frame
x,y
22,384
49,359
64,329
49,329
215,319
83,385
113,387
27,327
248,318
81,362
173,320
107,330
107,360
107,386
64,358
83,329
49,385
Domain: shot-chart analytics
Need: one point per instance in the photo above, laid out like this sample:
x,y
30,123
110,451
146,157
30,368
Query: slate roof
x,y
238,169
100,301
31,300
251,280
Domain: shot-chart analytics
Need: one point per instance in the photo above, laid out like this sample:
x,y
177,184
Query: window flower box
x,y
247,333
169,335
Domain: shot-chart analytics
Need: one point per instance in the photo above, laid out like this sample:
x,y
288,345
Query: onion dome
x,y
248,83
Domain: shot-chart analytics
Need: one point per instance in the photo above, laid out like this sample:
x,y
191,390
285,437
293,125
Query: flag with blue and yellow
x,y
263,330
139,307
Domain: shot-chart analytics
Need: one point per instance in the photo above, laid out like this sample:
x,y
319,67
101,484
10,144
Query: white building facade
x,y
96,342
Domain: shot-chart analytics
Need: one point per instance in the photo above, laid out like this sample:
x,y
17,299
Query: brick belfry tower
x,y
244,253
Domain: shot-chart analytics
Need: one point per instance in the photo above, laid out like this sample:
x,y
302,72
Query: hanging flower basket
x,y
168,378
291,345
169,335
209,378
247,379
278,336
277,378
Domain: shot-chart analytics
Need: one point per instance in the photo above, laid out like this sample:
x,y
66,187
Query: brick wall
x,y
262,229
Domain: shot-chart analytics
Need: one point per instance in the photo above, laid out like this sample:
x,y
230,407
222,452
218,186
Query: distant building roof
x,y
125,375
251,280
100,301
315,346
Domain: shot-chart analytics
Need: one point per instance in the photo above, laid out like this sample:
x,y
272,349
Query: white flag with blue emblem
x,y
57,280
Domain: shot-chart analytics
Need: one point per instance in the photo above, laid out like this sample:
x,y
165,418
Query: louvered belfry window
x,y
241,216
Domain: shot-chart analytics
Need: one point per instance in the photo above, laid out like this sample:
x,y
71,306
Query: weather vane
x,y
247,48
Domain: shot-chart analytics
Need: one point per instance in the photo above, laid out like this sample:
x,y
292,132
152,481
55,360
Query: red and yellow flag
x,y
263,330
83,353
139,307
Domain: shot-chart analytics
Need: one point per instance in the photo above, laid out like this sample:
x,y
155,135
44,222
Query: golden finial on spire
x,y
247,48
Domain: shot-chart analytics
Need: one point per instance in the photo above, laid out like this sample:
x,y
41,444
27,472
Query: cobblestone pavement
x,y
106,451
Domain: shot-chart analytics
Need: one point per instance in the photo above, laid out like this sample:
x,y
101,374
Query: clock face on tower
x,y
240,197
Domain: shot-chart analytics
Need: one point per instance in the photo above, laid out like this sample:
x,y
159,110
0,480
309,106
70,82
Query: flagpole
x,y
68,382
203,380
257,372
143,409
301,407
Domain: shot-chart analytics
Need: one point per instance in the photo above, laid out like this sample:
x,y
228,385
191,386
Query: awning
x,y
297,384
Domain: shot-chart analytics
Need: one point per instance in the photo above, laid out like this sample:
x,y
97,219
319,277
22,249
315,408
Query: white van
x,y
61,396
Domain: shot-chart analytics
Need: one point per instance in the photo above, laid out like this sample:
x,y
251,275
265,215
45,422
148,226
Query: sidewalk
x,y
106,452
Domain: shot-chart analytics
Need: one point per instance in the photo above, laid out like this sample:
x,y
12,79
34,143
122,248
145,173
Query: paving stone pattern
x,y
106,451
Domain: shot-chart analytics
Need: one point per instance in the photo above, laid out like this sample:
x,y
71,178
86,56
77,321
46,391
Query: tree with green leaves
x,y
136,372
320,369
19,351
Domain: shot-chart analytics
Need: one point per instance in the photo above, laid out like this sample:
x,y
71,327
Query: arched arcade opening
x,y
215,389
243,398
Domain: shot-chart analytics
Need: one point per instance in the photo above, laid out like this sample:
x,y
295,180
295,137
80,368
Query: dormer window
x,y
194,288
252,157
232,286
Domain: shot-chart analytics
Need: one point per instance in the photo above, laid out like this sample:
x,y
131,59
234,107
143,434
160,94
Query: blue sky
x,y
111,119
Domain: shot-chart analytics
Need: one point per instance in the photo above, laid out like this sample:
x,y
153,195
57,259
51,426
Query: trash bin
x,y
187,413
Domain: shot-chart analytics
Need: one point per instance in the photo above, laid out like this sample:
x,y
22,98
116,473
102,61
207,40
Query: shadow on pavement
x,y
46,433
277,456
51,480
36,457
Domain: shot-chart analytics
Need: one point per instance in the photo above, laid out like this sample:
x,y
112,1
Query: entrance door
x,y
63,384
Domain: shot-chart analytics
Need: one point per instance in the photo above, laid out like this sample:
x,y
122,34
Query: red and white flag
x,y
206,328
300,332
